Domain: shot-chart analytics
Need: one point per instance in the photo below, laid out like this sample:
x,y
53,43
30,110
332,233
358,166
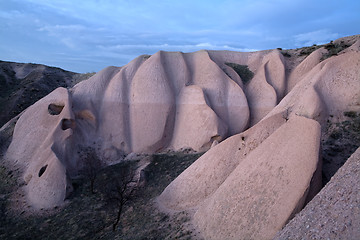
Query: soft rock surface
x,y
248,186
204,176
264,190
334,212
235,188
266,164
168,101
40,147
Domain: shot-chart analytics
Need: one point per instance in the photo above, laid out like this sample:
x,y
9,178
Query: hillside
x,y
22,84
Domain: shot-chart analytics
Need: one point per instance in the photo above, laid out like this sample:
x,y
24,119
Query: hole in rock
x,y
42,170
216,138
67,123
55,109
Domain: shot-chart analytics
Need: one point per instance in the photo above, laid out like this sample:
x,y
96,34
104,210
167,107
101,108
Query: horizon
x,y
89,36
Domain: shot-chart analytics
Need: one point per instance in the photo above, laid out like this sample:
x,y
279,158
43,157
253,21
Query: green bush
x,y
308,50
243,71
334,49
350,114
285,54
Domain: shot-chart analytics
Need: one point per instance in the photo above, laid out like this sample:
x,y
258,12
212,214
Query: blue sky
x,y
88,35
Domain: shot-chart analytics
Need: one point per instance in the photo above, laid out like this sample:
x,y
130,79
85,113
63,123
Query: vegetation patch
x,y
334,49
350,114
7,185
340,140
306,51
286,54
92,216
6,136
7,180
243,71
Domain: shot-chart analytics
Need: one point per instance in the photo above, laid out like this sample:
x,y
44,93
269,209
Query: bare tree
x,y
91,164
121,190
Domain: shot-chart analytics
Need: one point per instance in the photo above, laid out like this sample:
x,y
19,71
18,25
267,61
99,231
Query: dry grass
x,y
90,216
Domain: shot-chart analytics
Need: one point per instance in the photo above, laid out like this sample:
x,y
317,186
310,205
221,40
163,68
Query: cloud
x,y
116,31
74,36
315,37
65,34
61,28
10,15
152,48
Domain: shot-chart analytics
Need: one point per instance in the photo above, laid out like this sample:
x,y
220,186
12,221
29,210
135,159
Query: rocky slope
x,y
22,84
269,110
335,212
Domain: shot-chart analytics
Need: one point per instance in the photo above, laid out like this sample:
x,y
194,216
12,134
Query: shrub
x,y
286,54
350,114
334,49
243,71
308,50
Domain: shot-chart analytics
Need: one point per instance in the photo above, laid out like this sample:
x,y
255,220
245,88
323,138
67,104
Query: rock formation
x,y
234,187
265,188
264,110
334,212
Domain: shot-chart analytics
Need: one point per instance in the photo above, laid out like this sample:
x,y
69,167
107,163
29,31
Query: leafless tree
x,y
91,164
122,189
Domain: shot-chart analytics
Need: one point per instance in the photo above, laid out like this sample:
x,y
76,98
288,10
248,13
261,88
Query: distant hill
x,y
22,84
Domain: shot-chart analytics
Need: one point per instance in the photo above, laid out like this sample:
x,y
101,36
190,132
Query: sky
x,y
89,35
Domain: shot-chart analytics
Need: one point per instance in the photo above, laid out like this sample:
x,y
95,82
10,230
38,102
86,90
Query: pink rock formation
x,y
253,196
305,67
40,147
261,95
334,212
202,178
266,188
173,100
191,106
